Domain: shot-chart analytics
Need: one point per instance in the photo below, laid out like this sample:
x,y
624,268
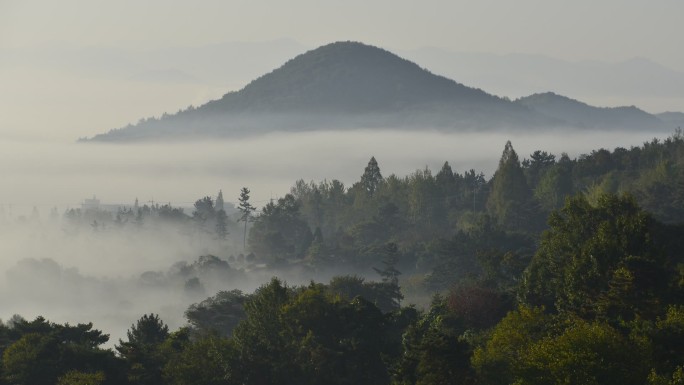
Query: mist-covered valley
x,y
73,269
250,193
47,174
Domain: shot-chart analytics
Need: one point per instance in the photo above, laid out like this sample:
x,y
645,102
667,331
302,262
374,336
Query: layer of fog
x,y
48,174
113,277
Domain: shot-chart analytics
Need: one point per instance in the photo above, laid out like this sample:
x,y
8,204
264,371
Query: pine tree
x,y
445,176
221,224
246,210
371,177
510,198
142,352
219,201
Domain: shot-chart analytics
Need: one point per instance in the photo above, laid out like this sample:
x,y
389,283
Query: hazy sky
x,y
577,29
76,68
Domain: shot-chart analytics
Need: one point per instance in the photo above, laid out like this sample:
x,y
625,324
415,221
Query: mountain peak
x,y
346,77
346,85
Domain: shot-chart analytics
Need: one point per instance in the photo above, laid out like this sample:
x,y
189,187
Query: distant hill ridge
x,y
582,115
347,85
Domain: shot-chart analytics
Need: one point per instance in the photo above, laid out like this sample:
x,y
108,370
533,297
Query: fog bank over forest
x,y
48,174
110,276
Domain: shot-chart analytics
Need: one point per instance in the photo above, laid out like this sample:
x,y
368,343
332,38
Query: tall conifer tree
x,y
246,210
510,198
371,177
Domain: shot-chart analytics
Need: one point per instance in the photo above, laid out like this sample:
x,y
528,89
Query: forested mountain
x,y
582,115
340,85
675,119
348,85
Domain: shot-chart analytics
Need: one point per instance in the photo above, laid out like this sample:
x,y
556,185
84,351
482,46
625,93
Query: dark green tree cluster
x,y
452,226
600,302
280,233
328,225
40,352
596,301
611,259
142,351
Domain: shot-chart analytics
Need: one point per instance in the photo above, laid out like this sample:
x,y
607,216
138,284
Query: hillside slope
x,y
340,85
582,115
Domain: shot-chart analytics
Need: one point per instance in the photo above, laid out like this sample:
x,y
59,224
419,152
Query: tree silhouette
x,y
371,177
219,201
142,350
510,198
246,210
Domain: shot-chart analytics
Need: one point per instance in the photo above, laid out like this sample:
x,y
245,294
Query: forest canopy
x,y
555,270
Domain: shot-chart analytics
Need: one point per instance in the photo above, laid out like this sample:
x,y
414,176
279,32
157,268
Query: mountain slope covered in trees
x,y
578,114
348,85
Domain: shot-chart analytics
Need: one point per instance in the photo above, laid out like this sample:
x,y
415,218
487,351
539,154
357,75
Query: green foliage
x,y
594,295
586,353
501,360
531,347
651,173
309,336
426,200
677,378
335,341
31,360
485,252
371,178
592,254
668,340
75,377
434,352
554,184
218,314
42,352
279,233
203,362
260,345
384,295
537,165
510,199
142,352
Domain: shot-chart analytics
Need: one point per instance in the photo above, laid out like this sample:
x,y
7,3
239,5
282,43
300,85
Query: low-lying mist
x,y
48,174
111,276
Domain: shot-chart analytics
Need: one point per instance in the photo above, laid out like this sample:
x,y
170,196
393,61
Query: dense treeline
x,y
552,272
452,226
